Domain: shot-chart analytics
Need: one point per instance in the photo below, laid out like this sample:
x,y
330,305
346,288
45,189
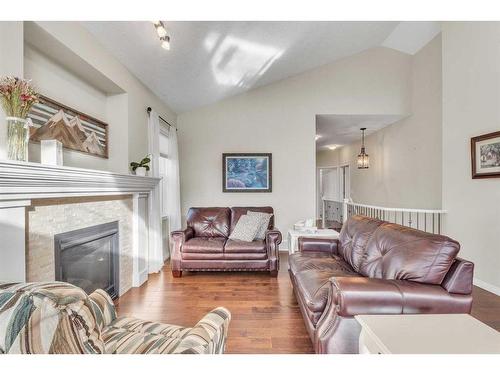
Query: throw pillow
x,y
264,223
246,228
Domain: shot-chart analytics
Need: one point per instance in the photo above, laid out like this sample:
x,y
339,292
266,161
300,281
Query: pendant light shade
x,y
363,158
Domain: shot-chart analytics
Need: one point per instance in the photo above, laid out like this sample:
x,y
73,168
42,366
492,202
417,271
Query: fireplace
x,y
89,258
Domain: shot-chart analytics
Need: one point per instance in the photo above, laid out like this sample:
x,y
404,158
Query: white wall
x,y
124,109
327,158
11,63
471,107
280,118
56,82
405,157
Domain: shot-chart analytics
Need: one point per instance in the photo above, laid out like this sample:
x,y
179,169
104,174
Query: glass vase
x,y
17,138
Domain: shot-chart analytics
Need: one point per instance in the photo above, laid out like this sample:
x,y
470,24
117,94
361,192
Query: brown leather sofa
x,y
204,245
375,267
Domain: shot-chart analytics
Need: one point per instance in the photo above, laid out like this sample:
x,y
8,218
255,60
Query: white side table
x,y
426,334
293,237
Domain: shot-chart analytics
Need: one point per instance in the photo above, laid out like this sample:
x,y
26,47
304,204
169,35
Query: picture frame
x,y
485,155
247,172
76,130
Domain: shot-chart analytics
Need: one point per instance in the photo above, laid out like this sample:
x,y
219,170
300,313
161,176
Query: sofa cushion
x,y
237,212
353,238
236,246
209,221
314,287
298,262
402,253
246,229
245,256
204,245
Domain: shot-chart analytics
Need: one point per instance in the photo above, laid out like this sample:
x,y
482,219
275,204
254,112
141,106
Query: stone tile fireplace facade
x,y
47,218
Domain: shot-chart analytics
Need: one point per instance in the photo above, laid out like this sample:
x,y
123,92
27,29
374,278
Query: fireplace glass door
x,y
88,258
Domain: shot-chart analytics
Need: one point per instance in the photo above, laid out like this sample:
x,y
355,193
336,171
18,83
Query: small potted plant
x,y
142,167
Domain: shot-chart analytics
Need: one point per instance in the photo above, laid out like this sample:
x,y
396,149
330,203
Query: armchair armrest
x,y
208,336
104,308
364,296
323,245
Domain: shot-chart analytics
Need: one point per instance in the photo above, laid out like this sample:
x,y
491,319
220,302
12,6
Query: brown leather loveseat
x,y
375,267
205,245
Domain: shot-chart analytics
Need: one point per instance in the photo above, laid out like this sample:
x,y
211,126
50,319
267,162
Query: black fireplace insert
x,y
88,258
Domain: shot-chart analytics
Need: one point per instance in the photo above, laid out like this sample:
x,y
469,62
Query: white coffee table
x,y
426,334
293,237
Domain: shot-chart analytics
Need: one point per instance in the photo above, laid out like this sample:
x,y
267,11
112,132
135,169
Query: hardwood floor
x,y
486,307
265,314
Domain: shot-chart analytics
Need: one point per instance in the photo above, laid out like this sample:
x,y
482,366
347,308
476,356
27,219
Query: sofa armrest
x,y
460,277
208,336
104,308
273,239
323,245
181,236
364,296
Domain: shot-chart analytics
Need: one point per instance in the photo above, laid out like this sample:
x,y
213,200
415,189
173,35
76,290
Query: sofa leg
x,y
176,273
274,273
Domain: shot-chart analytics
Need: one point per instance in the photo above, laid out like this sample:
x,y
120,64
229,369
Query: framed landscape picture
x,y
244,173
485,155
75,130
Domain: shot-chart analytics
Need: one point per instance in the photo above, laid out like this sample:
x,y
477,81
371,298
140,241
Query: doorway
x,y
345,182
327,187
333,184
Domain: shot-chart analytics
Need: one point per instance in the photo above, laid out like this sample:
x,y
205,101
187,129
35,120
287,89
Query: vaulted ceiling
x,y
210,61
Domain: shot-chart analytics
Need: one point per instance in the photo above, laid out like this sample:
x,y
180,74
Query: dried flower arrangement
x,y
17,97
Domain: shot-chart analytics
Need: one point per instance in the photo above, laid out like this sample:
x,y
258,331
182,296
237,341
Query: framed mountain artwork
x,y
485,155
75,130
247,173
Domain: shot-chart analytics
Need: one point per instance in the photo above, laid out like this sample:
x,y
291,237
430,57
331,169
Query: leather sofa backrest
x,y
237,212
354,236
209,221
397,252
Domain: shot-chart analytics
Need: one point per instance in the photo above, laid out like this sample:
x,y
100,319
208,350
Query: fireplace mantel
x,y
20,183
24,181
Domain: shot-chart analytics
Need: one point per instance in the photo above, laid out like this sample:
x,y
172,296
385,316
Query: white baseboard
x,y
487,286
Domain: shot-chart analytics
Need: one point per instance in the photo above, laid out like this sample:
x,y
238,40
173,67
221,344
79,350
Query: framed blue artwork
x,y
246,173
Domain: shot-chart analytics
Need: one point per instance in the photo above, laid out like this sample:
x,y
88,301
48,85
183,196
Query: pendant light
x,y
363,159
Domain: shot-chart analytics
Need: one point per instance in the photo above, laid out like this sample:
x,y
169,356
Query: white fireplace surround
x,y
21,182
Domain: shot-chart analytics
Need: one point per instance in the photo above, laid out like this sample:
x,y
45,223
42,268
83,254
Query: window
x,y
163,163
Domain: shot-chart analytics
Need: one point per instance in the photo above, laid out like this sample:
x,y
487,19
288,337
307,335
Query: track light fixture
x,y
165,42
161,30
